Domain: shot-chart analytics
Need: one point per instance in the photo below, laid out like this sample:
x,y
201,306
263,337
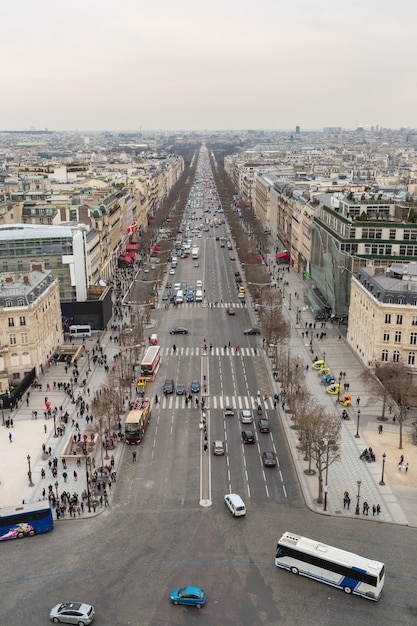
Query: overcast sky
x,y
219,64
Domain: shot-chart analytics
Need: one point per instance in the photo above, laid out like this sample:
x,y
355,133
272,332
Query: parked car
x,y
178,330
218,448
248,436
72,613
269,459
252,331
191,596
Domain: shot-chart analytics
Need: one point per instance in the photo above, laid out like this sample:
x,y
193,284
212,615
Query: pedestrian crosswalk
x,y
216,402
214,305
215,351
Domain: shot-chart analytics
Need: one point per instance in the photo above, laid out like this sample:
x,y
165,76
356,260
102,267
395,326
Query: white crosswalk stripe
x,y
216,351
217,402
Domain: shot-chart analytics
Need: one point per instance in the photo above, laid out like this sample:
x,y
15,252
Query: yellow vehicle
x,y
241,289
319,365
324,371
141,382
334,389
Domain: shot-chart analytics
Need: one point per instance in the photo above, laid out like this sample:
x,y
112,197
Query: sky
x,y
215,65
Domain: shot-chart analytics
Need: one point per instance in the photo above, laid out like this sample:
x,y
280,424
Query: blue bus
x,y
25,520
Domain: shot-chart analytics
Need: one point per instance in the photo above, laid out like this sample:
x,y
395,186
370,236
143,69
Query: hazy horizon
x,y
231,65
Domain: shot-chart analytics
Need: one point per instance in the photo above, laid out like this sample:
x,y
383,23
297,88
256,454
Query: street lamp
x,y
2,408
357,424
57,494
87,473
29,472
357,510
55,433
381,482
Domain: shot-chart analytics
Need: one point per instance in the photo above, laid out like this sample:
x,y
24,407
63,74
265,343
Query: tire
x,y
294,570
176,602
80,623
347,590
32,533
198,606
20,535
56,620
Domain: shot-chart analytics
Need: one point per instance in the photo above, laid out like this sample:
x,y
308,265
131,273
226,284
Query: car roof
x,y
218,443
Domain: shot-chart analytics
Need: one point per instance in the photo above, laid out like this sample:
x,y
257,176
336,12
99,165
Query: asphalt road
x,y
156,536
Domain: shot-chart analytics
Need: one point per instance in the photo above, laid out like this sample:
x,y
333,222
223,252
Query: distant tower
x,y
297,130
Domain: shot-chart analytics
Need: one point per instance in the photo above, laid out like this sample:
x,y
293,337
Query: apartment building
x,y
30,324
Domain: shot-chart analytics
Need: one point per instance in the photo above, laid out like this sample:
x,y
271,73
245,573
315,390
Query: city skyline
x,y
207,67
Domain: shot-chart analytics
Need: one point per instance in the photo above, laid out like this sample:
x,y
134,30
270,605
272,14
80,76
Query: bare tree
x,y
320,439
275,327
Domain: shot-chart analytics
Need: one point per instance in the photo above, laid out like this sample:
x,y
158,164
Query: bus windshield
x,y
25,520
348,571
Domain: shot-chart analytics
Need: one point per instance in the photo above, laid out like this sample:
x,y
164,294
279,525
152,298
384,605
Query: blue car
x,y
191,596
195,386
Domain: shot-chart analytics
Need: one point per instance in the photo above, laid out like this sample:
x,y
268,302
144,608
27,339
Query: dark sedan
x,y
252,331
179,330
263,425
248,436
269,459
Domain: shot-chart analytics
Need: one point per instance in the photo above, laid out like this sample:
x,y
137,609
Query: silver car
x,y
246,416
72,613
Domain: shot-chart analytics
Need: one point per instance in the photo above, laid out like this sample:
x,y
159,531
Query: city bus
x,y
80,330
348,571
137,421
25,520
150,363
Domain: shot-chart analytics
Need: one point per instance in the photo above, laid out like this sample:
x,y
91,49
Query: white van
x,y
199,284
235,504
199,295
179,298
174,262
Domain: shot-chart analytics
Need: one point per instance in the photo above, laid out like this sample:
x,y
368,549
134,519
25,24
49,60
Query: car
x,y
252,331
232,257
178,330
172,271
180,389
152,267
263,425
168,386
269,459
166,295
195,386
237,274
184,256
168,285
228,411
196,264
218,448
191,596
72,613
241,296
246,416
238,279
242,289
146,270
248,436
217,237
231,311
198,284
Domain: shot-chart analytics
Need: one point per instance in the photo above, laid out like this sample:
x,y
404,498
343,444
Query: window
x,y
24,338
399,319
396,356
386,335
9,303
401,300
22,320
20,302
397,336
388,318
411,358
10,321
12,340
414,320
413,339
384,356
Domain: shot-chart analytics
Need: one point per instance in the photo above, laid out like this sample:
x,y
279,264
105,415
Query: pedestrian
x,y
42,473
373,510
380,429
378,509
65,476
365,508
358,401
406,467
345,497
348,502
75,475
399,466
45,428
156,399
401,459
134,456
10,437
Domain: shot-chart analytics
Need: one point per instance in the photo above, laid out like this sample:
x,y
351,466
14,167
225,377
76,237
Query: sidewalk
x,y
29,435
397,496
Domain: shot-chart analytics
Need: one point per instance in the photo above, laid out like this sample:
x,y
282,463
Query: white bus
x,y
78,330
346,570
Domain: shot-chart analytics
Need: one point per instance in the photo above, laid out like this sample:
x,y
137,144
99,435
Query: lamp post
x,y
29,472
357,510
87,474
339,388
55,433
357,424
2,408
72,385
381,482
57,494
